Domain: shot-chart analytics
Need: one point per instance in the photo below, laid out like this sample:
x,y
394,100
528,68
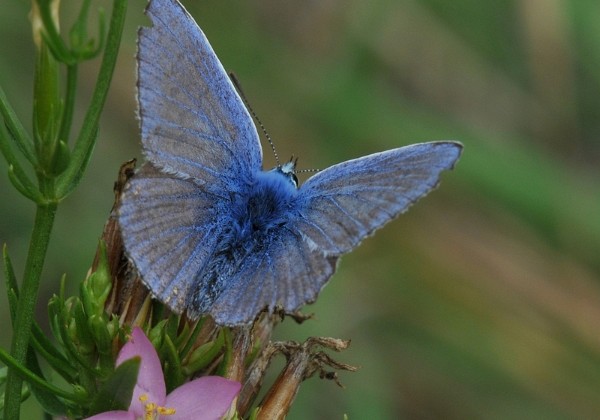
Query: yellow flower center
x,y
153,410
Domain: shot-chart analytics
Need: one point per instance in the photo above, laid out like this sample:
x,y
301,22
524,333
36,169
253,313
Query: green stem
x,y
44,219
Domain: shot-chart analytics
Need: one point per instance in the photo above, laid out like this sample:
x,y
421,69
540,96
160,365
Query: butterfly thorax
x,y
267,205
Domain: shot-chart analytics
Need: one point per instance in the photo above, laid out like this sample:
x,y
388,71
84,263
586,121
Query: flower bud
x,y
96,288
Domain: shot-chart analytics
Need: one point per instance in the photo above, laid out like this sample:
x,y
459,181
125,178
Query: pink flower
x,y
209,397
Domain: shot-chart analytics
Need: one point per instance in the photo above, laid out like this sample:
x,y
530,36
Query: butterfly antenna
x,y
238,87
307,170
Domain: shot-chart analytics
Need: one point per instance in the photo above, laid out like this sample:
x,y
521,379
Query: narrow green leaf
x,y
12,290
204,355
156,335
16,129
69,180
228,354
98,327
172,327
9,272
52,356
26,188
254,414
17,175
69,103
63,56
79,332
83,47
55,305
50,33
43,346
91,53
73,352
192,339
47,107
173,374
116,392
33,379
78,33
48,400
86,140
106,361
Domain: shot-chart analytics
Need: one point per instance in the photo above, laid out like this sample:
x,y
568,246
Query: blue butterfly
x,y
209,230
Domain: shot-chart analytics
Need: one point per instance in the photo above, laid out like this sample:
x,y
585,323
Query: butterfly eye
x,y
294,179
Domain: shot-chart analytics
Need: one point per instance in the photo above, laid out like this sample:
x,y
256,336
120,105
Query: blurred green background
x,y
484,300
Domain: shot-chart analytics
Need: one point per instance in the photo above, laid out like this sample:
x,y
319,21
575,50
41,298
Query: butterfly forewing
x,y
193,122
346,202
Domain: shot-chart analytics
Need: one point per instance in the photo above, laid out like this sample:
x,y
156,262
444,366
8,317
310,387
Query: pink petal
x,y
206,398
113,415
150,381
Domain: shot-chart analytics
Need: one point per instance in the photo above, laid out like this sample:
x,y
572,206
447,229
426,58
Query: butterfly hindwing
x,y
286,275
193,122
344,203
168,229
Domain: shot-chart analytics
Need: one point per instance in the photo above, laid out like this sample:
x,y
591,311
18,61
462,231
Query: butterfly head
x,y
288,170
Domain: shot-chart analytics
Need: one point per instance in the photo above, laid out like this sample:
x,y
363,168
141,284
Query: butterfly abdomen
x,y
211,281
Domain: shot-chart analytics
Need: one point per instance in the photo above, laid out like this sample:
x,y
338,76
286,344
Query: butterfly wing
x,y
203,149
193,122
168,227
345,203
283,276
